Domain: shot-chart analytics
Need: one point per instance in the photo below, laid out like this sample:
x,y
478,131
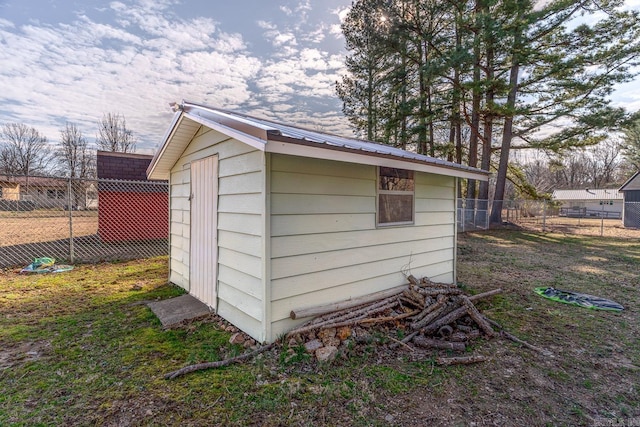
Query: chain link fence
x,y
473,214
599,218
74,220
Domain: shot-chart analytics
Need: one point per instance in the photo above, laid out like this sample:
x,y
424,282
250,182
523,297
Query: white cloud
x,y
341,13
135,58
286,10
632,5
280,39
6,24
79,71
313,59
267,25
317,35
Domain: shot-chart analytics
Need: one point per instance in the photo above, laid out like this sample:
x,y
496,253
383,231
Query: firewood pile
x,y
424,314
421,315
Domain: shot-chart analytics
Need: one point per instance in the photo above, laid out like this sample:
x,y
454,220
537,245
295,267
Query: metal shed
x,y
631,195
266,218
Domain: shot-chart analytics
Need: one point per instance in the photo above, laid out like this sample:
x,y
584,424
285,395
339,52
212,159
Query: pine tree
x,y
451,79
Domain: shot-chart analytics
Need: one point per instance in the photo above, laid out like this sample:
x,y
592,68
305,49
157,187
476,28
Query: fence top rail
x,y
124,181
36,180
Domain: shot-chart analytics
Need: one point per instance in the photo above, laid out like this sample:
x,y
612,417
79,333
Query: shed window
x,y
396,194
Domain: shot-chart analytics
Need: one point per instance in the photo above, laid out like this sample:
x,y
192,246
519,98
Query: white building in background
x,y
587,203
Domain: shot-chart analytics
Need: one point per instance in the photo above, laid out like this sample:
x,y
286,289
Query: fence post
x,y
544,216
70,208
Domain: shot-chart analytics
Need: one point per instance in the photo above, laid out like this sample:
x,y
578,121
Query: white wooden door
x,y
204,231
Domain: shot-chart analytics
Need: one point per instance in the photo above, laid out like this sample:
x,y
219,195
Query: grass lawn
x,y
81,348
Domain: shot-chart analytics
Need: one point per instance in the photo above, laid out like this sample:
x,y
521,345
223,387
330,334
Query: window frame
x,y
380,192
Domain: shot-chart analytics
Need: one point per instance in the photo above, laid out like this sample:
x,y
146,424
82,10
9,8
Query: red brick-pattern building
x,y
131,208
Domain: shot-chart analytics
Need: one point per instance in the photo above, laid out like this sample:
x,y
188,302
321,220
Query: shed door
x,y
204,231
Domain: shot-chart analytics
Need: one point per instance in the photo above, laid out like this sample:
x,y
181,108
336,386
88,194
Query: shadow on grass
x,y
85,249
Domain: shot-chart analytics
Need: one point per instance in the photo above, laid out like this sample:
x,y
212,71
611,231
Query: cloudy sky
x,y
75,60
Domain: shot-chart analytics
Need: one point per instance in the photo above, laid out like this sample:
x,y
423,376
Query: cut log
x,y
413,280
464,328
462,360
517,340
426,283
444,320
465,336
407,338
477,317
397,343
445,331
385,319
218,364
419,321
425,342
485,295
454,315
338,323
435,314
352,313
415,298
354,302
440,291
418,296
410,302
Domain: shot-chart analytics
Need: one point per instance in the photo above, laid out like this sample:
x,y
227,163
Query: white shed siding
x,y
325,246
179,227
240,206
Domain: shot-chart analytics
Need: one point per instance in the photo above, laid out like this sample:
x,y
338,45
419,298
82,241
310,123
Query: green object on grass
x,y
45,265
581,300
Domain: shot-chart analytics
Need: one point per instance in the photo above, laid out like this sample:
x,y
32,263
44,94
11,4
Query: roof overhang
x,y
268,136
629,181
184,127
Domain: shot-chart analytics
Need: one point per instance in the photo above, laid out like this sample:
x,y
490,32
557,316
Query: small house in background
x,y
267,218
9,188
631,194
130,207
33,192
600,203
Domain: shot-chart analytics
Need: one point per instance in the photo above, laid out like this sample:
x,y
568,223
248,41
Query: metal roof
x,y
587,194
632,183
281,138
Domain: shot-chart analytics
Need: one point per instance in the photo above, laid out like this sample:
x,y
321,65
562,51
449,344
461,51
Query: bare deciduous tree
x,y
603,164
75,160
113,134
23,150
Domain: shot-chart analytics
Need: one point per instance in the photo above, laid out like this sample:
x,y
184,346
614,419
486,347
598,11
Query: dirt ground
x,y
581,226
592,376
28,228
